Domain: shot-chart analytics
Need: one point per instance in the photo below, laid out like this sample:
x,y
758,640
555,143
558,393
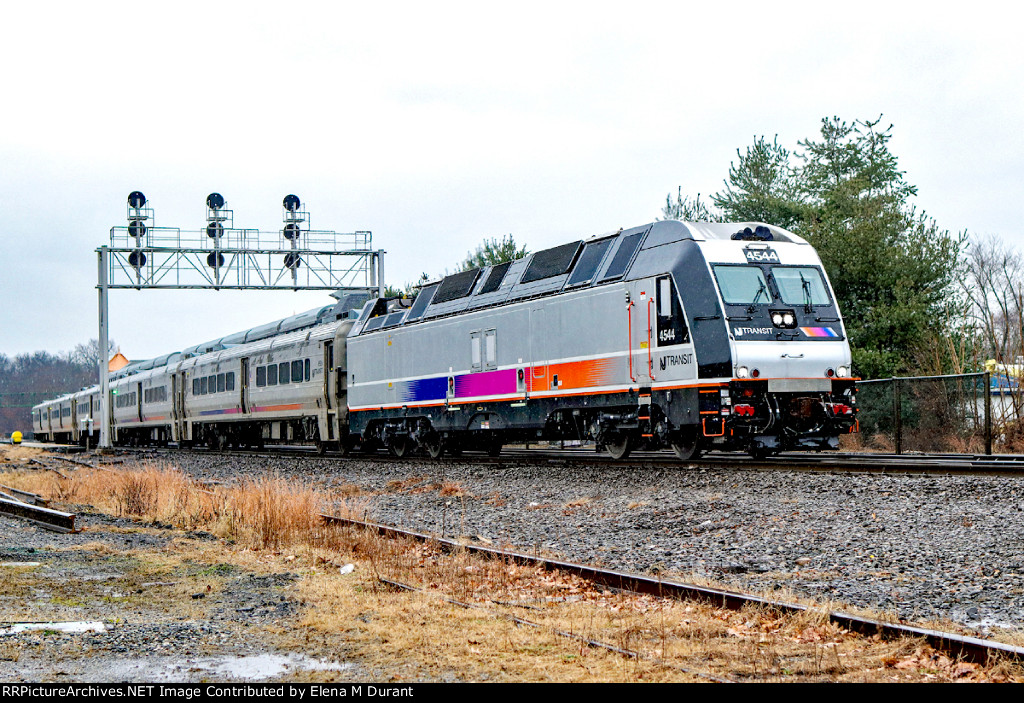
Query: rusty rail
x,y
970,648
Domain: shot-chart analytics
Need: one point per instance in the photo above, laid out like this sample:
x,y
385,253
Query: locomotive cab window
x,y
801,285
742,285
672,327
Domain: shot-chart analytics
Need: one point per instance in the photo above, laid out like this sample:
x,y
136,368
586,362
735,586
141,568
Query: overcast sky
x,y
436,125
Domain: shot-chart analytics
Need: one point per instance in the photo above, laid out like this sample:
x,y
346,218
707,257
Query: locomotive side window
x,y
272,375
261,376
283,373
742,285
672,327
474,342
491,349
229,381
220,383
195,386
307,369
297,371
801,285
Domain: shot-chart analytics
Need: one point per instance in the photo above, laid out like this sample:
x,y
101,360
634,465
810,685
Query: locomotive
x,y
687,335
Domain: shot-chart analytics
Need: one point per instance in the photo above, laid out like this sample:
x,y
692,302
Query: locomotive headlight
x,y
843,371
777,319
788,319
742,372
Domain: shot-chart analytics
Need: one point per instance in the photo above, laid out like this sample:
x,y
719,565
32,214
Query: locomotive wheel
x,y
685,444
434,446
399,447
618,445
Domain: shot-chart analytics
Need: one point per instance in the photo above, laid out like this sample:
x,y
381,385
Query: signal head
x,y
215,201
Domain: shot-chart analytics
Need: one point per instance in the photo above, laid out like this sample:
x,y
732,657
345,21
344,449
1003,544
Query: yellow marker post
x,y
16,438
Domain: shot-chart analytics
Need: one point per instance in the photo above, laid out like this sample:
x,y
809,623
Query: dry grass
x,y
274,524
267,513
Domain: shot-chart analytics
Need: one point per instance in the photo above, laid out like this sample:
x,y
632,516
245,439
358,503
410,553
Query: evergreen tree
x,y
893,269
492,252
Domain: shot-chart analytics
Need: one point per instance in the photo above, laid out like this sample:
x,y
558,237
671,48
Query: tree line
x,y
29,379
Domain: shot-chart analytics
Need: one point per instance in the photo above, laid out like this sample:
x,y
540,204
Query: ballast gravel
x,y
920,547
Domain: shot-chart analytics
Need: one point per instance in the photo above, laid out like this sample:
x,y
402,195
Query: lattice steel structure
x,y
223,257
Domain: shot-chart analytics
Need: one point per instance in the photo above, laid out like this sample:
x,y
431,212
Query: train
x,y
692,336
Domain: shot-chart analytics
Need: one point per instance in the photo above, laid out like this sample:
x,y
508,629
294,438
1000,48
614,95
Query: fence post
x,y
987,390
897,408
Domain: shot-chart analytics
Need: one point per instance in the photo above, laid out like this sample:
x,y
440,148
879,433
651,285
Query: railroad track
x,y
849,462
970,648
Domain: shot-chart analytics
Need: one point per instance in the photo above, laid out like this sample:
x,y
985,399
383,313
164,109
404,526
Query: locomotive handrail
x,y
629,339
650,359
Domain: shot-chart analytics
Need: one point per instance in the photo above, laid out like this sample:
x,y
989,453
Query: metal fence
x,y
931,413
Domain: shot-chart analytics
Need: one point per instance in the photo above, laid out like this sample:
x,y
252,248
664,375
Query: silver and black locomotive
x,y
693,336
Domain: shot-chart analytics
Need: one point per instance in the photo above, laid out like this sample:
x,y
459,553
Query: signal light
x,y
136,199
136,228
291,231
137,259
215,260
292,261
215,230
291,203
215,201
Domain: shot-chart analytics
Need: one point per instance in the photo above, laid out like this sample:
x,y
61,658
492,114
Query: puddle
x,y
69,627
257,667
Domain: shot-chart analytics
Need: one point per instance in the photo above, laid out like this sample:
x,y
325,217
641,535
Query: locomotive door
x,y
540,331
640,314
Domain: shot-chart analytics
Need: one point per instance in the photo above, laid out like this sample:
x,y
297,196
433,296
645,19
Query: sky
x,y
438,125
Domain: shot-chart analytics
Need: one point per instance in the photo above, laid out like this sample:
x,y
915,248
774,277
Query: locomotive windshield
x,y
795,285
742,285
800,285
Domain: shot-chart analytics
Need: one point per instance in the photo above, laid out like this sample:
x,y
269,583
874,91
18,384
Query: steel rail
x,y
998,465
970,648
46,518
